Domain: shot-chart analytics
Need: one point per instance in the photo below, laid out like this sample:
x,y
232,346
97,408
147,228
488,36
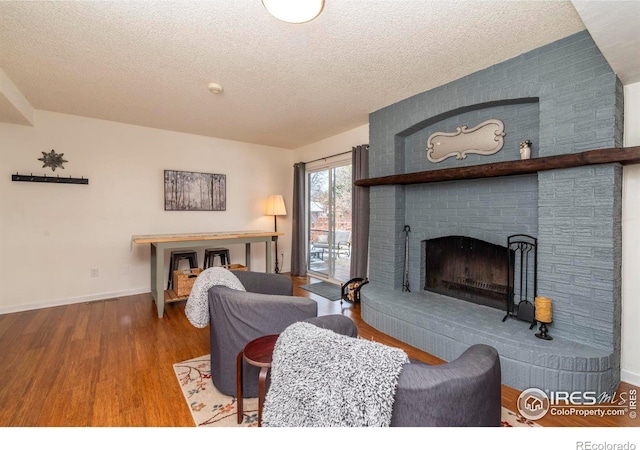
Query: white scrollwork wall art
x,y
484,139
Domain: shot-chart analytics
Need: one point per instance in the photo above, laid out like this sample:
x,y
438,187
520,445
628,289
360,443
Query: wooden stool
x,y
174,262
259,353
211,253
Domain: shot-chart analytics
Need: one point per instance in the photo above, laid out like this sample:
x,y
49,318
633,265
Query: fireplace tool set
x,y
523,255
405,281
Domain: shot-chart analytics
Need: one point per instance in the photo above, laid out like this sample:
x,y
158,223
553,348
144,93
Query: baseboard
x,y
630,377
72,300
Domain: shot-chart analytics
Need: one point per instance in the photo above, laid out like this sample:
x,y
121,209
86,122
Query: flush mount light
x,y
294,11
215,88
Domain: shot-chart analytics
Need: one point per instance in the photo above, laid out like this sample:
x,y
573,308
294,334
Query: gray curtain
x,y
360,213
298,244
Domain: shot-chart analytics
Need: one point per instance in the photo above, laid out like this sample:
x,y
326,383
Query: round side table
x,y
257,353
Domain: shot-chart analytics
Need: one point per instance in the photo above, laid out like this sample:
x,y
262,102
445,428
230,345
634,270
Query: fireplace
x,y
566,100
469,269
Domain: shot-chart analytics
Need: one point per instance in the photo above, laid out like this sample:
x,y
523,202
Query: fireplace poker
x,y
405,285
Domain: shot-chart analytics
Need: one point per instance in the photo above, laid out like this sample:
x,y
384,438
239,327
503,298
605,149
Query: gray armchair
x,y
236,318
463,392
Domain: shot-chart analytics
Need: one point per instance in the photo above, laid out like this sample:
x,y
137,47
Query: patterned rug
x,y
210,408
511,419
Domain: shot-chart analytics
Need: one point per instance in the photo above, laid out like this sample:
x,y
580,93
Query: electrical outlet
x,y
94,272
124,270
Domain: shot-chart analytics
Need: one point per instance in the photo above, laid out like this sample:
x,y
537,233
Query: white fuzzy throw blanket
x,y
320,378
197,309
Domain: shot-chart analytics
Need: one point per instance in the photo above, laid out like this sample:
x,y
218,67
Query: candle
x,y
543,310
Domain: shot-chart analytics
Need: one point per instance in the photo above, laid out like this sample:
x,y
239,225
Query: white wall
x,y
333,145
51,235
631,242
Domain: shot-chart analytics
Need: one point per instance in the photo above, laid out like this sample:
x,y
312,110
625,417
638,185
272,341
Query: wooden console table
x,y
161,242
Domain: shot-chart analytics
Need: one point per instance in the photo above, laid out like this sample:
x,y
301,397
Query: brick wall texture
x,y
565,98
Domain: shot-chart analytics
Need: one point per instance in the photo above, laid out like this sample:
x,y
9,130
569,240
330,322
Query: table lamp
x,y
275,208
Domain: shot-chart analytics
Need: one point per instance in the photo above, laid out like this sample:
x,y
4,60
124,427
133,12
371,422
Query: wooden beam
x,y
624,156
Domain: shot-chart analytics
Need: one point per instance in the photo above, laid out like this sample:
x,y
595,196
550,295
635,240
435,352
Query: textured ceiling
x,y
149,63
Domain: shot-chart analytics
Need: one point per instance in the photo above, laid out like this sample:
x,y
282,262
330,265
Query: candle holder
x,y
543,332
544,315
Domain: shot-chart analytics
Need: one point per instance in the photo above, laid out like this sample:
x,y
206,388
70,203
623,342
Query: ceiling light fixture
x,y
294,11
215,88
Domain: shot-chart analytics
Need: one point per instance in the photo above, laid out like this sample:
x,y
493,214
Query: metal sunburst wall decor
x,y
53,160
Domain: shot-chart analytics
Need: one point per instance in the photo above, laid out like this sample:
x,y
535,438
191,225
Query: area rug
x,y
324,289
210,408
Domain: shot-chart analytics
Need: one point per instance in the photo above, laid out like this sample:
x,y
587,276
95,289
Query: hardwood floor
x,y
109,364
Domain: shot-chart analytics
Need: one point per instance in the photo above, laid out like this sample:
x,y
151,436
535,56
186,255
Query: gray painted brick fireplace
x,y
565,98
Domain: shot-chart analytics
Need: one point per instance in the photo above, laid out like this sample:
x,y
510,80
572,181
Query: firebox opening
x,y
469,269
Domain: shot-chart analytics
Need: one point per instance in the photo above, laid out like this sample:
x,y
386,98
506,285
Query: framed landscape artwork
x,y
194,191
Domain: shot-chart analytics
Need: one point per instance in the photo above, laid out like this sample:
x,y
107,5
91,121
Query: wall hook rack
x,y
47,179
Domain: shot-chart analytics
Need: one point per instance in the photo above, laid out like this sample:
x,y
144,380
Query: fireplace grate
x,y
469,284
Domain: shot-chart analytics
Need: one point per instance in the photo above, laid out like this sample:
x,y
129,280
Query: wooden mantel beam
x,y
626,155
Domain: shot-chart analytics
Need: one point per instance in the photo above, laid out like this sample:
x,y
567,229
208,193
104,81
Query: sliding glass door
x,y
329,221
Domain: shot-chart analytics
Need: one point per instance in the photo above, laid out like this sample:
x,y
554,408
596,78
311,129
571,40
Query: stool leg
x,y
262,390
175,265
239,386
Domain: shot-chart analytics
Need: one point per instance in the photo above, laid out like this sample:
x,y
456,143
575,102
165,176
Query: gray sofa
x,y
463,392
237,317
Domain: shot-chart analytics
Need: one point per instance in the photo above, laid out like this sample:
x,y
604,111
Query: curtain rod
x,y
327,157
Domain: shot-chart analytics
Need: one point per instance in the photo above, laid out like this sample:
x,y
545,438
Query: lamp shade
x,y
294,11
275,206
